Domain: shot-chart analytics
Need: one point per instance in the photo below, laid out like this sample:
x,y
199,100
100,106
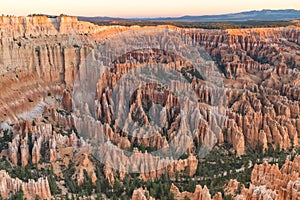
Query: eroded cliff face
x,y
269,182
262,91
39,62
49,143
31,189
141,194
141,114
262,81
199,194
41,56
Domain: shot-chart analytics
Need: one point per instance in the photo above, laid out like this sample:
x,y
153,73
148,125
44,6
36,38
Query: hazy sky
x,y
139,8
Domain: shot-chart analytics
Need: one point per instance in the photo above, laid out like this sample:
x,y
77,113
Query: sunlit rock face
x,y
152,104
31,189
262,81
45,55
141,194
41,57
269,182
140,103
200,193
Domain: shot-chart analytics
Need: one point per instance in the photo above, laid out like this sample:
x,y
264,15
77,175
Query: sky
x,y
139,8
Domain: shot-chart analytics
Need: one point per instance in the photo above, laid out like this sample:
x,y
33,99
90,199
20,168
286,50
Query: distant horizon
x,y
140,9
185,14
138,17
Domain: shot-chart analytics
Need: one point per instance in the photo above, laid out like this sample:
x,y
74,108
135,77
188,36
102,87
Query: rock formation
x,y
149,166
47,51
269,182
199,194
38,54
30,189
39,61
141,194
261,82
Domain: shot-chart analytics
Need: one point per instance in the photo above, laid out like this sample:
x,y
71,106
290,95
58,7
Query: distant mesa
x,y
254,15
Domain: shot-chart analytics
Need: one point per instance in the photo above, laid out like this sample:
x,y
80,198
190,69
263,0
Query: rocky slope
x,y
270,182
262,84
199,194
39,62
141,194
30,189
39,54
267,182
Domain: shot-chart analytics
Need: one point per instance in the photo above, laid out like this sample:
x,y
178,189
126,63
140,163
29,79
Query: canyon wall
x,y
38,55
262,82
39,62
260,85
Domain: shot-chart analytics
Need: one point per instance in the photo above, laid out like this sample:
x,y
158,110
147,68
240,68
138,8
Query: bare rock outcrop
x,y
261,69
147,165
262,90
41,143
30,189
199,194
269,182
141,194
39,61
83,163
38,55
